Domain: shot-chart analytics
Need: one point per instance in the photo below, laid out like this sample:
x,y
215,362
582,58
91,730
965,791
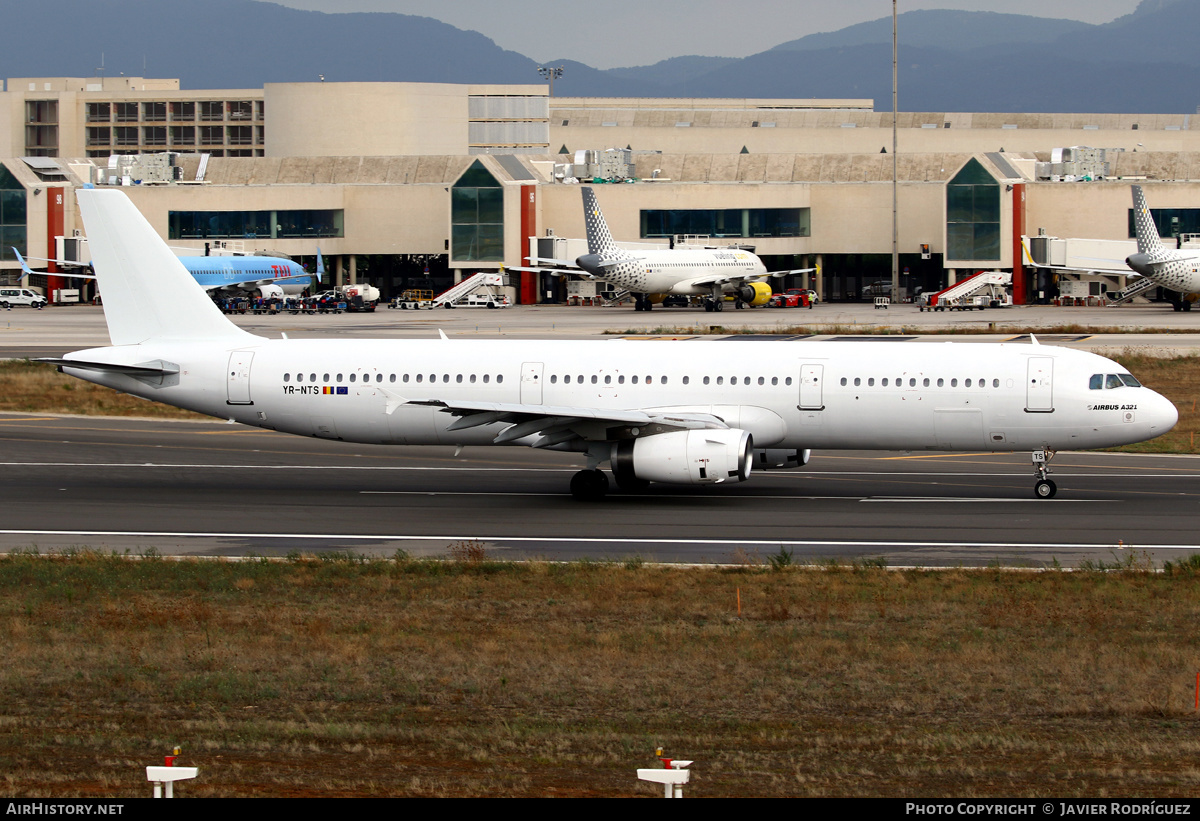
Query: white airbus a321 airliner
x,y
688,413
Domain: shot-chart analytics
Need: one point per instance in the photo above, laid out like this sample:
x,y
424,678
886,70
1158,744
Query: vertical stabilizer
x,y
599,238
147,293
1148,241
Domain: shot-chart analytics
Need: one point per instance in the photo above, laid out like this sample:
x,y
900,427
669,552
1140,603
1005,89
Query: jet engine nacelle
x,y
755,293
687,457
780,458
270,291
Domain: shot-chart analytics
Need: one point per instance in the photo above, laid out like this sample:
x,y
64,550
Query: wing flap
x,y
556,424
726,280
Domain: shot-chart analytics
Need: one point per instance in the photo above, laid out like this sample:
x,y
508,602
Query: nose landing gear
x,y
1044,488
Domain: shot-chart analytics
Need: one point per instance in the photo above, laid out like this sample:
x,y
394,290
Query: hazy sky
x,y
611,33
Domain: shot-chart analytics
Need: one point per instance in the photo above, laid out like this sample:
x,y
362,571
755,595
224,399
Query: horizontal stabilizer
x,y
155,368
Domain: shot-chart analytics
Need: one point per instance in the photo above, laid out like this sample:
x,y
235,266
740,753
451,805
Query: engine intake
x,y
686,457
755,293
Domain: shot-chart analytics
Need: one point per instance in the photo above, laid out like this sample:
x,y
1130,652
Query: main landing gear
x,y
1045,487
589,485
716,302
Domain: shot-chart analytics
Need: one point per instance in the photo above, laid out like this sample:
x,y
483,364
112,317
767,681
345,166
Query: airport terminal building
x,y
415,185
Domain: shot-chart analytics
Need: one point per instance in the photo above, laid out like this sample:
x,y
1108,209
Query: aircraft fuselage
x,y
828,395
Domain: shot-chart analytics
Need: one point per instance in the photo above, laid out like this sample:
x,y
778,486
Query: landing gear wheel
x,y
589,485
1045,489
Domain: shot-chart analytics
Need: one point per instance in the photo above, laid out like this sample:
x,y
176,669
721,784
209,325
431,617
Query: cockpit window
x,y
1100,381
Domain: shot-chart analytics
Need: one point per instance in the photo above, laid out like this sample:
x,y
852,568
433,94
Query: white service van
x,y
10,296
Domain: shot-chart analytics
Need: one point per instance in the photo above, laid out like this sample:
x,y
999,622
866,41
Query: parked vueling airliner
x,y
650,276
689,413
1174,270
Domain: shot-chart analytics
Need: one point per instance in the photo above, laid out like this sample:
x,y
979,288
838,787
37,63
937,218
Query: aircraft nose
x,y
1163,414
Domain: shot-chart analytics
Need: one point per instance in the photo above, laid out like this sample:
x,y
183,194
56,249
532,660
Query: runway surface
x,y
211,489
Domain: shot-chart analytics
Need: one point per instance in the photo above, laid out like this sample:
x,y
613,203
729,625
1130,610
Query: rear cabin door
x,y
531,383
239,378
1039,385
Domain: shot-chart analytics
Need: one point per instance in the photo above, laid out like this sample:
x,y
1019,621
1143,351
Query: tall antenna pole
x,y
895,210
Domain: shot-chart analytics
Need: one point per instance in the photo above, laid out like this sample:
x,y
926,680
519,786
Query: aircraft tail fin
x,y
599,238
1148,241
25,269
147,293
320,267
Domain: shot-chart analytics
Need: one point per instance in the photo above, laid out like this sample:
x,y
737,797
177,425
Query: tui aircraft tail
x,y
147,293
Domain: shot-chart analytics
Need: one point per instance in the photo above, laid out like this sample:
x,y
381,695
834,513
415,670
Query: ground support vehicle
x,y
10,296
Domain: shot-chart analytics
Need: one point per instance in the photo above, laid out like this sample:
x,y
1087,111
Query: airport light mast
x,y
895,183
550,74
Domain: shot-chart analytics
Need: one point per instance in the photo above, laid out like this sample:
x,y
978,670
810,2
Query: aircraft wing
x,y
556,267
249,285
558,272
26,270
560,424
718,279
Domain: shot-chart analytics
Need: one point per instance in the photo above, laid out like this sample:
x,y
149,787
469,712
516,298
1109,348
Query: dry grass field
x,y
337,677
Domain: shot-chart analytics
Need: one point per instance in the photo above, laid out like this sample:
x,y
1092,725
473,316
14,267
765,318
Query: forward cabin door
x,y
239,378
1039,385
531,383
